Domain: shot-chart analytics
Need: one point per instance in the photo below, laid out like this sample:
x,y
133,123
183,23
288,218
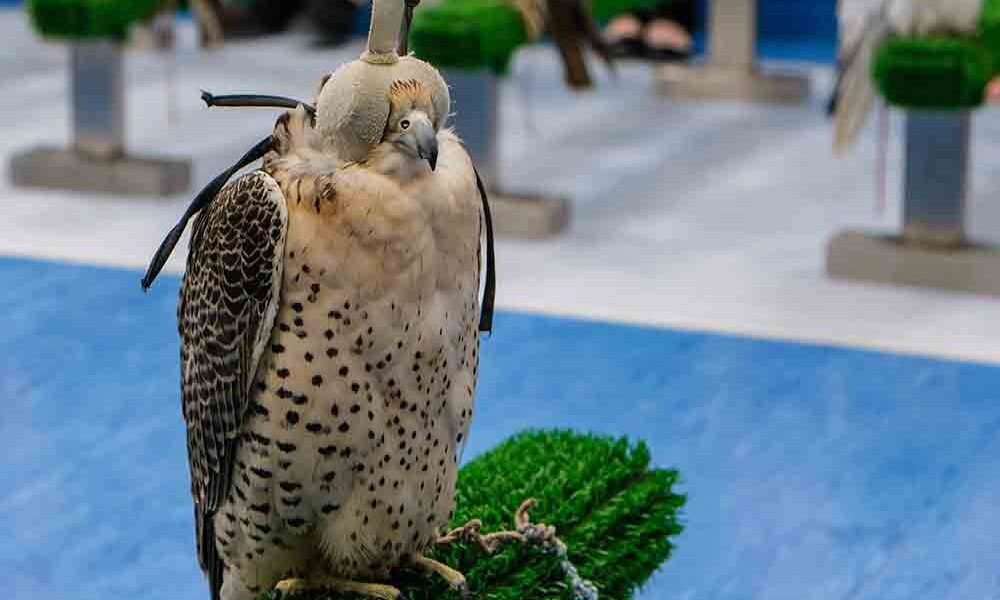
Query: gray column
x,y
475,106
733,33
98,97
932,250
936,180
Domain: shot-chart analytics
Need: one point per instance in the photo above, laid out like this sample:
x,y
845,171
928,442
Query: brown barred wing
x,y
228,302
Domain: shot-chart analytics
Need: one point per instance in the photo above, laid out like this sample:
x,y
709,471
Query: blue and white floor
x,y
836,441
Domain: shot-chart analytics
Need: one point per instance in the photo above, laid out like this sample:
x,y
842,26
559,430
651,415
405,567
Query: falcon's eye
x,y
404,124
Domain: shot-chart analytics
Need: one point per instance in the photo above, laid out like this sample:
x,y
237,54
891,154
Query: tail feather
x,y
208,554
855,94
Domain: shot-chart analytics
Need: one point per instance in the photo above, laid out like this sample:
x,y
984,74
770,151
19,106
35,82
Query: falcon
x,y
329,319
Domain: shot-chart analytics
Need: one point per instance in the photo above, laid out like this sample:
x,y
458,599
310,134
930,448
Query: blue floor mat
x,y
812,472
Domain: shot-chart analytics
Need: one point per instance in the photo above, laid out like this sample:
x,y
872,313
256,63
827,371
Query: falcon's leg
x,y
333,584
455,579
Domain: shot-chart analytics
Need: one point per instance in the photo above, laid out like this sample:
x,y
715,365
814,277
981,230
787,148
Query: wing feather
x,y
856,89
227,309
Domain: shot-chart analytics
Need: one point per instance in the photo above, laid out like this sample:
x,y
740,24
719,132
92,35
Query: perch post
x,y
96,160
938,82
98,101
731,72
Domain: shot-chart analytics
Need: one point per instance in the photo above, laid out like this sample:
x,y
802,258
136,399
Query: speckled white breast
x,y
361,404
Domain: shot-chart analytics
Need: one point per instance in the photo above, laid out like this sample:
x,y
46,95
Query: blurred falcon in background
x,y
864,25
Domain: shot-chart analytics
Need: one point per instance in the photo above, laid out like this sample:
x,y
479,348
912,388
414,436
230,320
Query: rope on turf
x,y
526,533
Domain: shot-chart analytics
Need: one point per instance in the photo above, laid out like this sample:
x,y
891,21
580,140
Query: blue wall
x,y
795,18
791,18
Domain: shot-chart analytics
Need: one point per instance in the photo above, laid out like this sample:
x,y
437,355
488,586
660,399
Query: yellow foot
x,y
332,584
455,579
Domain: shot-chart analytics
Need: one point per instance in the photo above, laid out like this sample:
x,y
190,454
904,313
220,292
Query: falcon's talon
x,y
290,587
455,579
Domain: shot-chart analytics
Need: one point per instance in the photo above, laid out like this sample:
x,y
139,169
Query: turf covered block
x,y
465,34
937,73
84,19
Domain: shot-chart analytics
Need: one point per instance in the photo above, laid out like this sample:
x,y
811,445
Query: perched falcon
x,y
329,323
864,25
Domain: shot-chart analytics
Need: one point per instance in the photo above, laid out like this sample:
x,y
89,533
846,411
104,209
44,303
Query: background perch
x,y
97,160
938,81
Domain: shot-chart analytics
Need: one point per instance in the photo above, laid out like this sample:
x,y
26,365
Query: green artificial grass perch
x,y
615,513
937,73
467,34
88,19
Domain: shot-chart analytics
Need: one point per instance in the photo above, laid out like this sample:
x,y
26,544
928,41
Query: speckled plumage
x,y
332,450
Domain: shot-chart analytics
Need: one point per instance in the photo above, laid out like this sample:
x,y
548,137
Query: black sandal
x,y
665,54
627,47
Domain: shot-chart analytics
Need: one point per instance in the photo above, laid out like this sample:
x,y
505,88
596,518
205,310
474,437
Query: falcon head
x,y
368,108
409,129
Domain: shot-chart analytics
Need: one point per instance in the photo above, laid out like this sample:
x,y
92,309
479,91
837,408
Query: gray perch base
x,y
526,217
932,250
64,169
710,82
887,259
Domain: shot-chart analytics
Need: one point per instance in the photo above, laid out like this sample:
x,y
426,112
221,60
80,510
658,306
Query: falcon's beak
x,y
427,144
